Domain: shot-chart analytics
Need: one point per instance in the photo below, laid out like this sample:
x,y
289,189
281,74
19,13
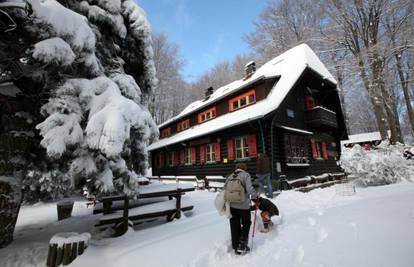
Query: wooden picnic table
x,y
147,192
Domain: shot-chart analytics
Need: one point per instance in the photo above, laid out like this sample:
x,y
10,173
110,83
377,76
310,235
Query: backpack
x,y
234,191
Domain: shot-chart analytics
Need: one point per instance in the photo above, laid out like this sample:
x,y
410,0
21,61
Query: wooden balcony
x,y
321,118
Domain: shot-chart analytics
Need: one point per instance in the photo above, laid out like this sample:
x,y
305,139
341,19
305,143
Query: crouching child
x,y
268,209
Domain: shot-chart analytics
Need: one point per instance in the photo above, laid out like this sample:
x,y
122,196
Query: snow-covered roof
x,y
363,137
288,66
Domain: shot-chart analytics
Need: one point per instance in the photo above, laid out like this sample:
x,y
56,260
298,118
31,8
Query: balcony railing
x,y
320,117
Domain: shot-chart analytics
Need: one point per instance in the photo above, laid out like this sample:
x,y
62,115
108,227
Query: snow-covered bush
x,y
383,165
45,185
97,60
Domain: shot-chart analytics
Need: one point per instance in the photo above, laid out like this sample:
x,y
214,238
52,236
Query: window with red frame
x,y
210,153
183,125
207,115
165,132
319,150
295,149
310,102
243,100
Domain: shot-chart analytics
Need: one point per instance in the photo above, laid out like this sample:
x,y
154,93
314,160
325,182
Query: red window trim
x,y
202,155
180,125
230,149
217,152
252,144
240,97
193,155
324,151
165,132
314,149
213,109
182,156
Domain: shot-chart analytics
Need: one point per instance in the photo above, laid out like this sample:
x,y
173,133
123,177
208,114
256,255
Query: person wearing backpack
x,y
237,189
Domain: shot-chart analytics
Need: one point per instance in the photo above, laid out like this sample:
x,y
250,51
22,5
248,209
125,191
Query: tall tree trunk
x,y
404,85
377,67
375,97
339,76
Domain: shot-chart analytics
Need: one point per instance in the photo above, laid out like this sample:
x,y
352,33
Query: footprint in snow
x,y
322,234
311,221
298,255
320,212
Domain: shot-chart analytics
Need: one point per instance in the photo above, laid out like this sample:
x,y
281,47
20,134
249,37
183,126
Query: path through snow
x,y
319,229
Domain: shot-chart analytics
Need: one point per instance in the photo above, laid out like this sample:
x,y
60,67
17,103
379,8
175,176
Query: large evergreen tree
x,y
95,124
81,69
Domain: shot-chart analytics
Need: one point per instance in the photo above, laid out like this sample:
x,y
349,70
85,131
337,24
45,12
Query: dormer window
x,y
242,100
207,115
165,132
183,125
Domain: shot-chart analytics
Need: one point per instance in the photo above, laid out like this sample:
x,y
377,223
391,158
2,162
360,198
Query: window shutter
x,y
314,149
193,155
217,152
182,158
251,142
324,151
202,154
161,159
230,150
308,102
176,160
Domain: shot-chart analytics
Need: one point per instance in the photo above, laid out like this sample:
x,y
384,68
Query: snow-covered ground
x,y
375,227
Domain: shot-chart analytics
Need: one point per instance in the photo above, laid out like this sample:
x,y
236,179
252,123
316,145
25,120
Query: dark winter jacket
x,y
262,164
267,205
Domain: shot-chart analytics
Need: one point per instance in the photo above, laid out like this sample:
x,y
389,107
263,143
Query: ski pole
x,y
254,222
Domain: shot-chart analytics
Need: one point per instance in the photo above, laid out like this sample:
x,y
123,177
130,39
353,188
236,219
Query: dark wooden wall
x,y
219,168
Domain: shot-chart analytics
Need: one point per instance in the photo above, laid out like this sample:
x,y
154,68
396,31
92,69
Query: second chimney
x,y
209,92
250,68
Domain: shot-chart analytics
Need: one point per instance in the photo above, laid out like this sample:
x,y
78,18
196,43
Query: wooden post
x,y
126,216
67,250
81,247
107,207
51,255
74,252
59,256
178,204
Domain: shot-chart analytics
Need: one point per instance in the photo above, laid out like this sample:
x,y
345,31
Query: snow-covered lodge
x,y
288,108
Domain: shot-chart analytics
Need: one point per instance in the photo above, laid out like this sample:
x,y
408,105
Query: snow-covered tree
x,y
171,93
96,60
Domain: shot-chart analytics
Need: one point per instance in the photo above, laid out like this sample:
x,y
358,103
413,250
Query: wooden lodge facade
x,y
288,108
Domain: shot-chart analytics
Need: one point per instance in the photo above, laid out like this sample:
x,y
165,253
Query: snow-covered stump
x,y
64,209
65,247
10,199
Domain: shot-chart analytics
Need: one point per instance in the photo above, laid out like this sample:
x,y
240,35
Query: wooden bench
x,y
122,214
170,209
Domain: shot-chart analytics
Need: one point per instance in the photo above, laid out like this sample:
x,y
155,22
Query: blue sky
x,y
207,31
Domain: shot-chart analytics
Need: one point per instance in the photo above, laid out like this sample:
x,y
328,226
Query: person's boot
x,y
242,248
265,228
